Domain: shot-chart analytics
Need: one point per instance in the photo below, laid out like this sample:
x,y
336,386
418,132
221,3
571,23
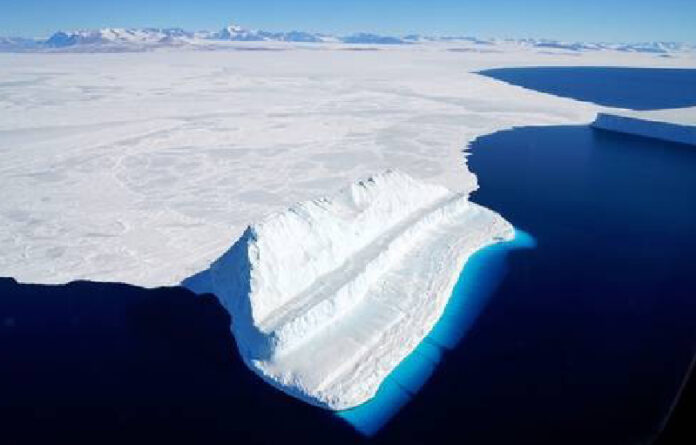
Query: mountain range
x,y
141,39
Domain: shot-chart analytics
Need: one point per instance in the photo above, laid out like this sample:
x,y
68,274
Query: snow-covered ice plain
x,y
145,168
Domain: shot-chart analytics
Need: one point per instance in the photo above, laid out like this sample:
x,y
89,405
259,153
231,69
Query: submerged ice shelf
x,y
475,285
329,296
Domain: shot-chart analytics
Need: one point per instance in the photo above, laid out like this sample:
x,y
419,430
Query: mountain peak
x,y
234,28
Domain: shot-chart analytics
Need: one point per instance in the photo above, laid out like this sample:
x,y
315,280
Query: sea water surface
x,y
603,309
635,88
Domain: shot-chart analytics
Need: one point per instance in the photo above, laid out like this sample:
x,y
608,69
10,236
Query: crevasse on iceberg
x,y
330,295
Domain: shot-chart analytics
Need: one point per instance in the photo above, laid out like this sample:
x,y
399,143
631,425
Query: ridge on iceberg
x,y
329,296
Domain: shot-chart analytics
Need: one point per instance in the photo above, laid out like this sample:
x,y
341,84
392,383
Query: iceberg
x,y
671,125
330,295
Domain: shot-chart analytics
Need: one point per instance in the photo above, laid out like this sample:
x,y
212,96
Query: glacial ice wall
x,y
330,295
649,124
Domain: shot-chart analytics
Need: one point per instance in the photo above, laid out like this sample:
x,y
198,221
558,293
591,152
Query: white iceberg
x,y
329,296
671,125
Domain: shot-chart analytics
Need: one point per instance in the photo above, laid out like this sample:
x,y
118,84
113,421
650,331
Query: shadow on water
x,y
94,362
636,88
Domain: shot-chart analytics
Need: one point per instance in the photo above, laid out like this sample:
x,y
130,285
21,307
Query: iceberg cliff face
x,y
330,295
672,125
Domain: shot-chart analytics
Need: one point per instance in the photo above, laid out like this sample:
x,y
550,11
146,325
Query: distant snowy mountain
x,y
644,47
116,36
372,38
652,47
154,37
17,44
140,39
236,33
572,46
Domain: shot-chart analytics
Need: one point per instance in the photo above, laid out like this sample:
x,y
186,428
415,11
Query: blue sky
x,y
594,20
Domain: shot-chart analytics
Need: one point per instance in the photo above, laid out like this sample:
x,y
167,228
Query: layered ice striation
x,y
329,296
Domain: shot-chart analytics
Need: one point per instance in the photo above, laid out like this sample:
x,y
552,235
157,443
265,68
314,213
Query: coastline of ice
x,y
328,297
142,168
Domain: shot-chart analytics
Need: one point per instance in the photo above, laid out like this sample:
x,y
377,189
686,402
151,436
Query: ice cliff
x,y
672,125
327,297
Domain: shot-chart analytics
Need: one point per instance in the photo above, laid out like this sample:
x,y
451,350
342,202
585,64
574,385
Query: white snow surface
x,y
329,296
145,167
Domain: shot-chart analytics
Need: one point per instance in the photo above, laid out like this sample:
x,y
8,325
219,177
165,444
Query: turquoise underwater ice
x,y
479,278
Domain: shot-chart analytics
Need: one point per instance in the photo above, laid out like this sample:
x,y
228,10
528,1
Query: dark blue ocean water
x,y
603,310
635,88
583,339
